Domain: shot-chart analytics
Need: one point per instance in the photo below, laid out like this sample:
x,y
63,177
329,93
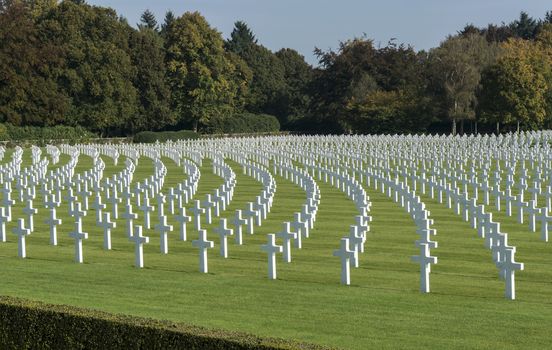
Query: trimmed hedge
x,y
244,123
29,324
10,132
162,136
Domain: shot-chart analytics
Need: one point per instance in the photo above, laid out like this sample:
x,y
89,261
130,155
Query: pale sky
x,y
304,24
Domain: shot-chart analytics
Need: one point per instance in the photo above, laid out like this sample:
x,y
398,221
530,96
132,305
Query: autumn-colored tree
x,y
514,90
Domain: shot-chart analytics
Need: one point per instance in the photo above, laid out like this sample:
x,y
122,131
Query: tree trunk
x,y
195,125
453,126
497,128
461,126
475,123
518,126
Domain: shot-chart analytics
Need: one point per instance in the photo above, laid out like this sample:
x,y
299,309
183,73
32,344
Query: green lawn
x,y
381,309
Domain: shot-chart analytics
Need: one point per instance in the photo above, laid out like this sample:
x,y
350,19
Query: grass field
x,y
382,308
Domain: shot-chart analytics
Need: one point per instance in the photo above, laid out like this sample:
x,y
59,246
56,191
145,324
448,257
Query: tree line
x,y
70,63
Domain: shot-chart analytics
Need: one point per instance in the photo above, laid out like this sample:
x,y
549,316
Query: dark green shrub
x,y
44,134
33,325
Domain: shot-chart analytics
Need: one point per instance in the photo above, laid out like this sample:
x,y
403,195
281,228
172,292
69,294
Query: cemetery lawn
x,y
382,308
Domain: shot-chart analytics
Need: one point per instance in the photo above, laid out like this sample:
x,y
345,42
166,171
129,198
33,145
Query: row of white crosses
x,y
26,182
400,166
352,245
383,167
253,164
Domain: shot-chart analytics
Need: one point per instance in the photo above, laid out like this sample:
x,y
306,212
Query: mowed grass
x,y
381,309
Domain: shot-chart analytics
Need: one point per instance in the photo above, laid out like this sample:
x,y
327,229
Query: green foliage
x,y
525,27
294,99
515,89
97,75
169,20
9,132
71,63
147,20
241,38
63,327
455,70
147,55
29,68
268,82
162,136
199,72
389,112
244,123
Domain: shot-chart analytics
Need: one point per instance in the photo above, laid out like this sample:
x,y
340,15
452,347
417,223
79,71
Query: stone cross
x,y
98,206
271,248
78,234
107,226
171,196
30,212
424,259
147,209
531,211
509,267
544,218
7,201
197,210
129,216
70,198
182,219
21,232
208,204
521,205
355,241
139,242
286,235
161,200
298,226
238,222
250,214
345,254
3,219
53,221
203,244
163,228
223,233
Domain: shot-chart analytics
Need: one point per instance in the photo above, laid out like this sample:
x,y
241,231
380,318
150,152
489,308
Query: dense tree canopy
x,y
199,72
68,62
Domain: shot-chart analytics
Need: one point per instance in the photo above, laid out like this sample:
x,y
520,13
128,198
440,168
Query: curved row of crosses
x,y
466,173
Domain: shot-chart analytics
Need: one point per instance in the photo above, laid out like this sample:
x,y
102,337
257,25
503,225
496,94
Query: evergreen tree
x,y
169,20
548,17
268,81
525,27
241,38
147,20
